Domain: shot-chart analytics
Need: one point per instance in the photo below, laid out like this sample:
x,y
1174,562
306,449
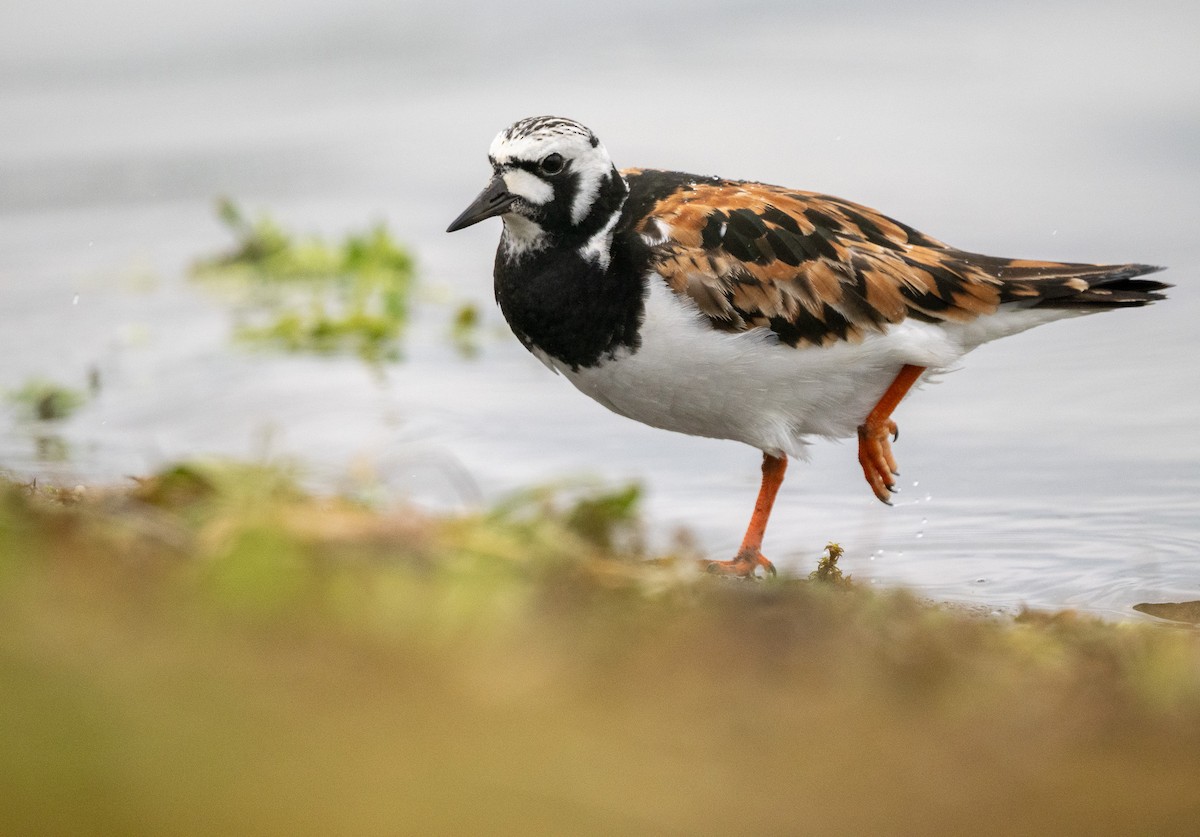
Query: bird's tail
x,y
1062,285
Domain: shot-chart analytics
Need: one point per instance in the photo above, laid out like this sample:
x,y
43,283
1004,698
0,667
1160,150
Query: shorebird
x,y
744,311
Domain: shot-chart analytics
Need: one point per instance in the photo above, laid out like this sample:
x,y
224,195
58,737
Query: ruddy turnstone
x,y
745,311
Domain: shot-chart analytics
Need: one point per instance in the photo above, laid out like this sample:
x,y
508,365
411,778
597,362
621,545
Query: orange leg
x,y
874,449
750,557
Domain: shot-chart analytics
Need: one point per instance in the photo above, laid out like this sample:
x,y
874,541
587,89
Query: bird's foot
x,y
742,565
875,457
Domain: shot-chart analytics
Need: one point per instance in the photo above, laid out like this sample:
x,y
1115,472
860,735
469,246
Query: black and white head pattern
x,y
567,190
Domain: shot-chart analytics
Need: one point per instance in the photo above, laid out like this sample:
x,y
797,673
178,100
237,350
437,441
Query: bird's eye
x,y
551,164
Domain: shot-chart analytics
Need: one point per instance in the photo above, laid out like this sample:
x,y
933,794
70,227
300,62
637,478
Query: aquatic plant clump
x,y
45,400
828,571
304,294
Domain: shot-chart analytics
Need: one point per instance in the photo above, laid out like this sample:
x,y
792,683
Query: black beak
x,y
492,201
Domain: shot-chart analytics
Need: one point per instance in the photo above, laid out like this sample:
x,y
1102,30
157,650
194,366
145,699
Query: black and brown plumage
x,y
745,311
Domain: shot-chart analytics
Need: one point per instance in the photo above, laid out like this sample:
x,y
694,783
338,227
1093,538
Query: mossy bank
x,y
214,650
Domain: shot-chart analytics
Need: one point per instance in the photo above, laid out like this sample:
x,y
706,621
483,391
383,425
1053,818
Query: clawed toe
x,y
875,457
874,447
741,566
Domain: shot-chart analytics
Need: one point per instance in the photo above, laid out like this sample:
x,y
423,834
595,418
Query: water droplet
x,y
928,497
916,483
75,299
924,520
920,534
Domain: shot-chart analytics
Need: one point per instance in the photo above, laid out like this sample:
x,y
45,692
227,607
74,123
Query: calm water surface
x,y
1058,468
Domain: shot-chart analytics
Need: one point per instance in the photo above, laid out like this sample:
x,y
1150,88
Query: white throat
x,y
521,235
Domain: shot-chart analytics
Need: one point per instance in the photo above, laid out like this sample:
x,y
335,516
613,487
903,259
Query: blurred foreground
x,y
214,651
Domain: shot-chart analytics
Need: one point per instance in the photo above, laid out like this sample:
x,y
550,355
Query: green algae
x,y
306,294
46,400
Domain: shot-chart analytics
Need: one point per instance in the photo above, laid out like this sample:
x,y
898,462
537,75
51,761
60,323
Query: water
x,y
1058,468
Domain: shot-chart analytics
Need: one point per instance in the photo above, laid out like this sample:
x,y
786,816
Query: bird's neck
x,y
577,299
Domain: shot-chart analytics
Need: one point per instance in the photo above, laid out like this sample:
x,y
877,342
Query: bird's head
x,y
552,182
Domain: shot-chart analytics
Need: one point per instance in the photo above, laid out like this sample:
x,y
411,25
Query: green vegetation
x,y
47,401
213,650
828,571
464,329
303,294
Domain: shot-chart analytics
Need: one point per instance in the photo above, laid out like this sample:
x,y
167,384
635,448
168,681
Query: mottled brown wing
x,y
816,269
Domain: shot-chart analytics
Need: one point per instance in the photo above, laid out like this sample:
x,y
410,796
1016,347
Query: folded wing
x,y
816,269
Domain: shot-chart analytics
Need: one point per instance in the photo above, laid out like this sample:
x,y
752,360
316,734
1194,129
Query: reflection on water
x,y
1059,468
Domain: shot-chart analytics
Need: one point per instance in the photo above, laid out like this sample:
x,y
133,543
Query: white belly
x,y
748,386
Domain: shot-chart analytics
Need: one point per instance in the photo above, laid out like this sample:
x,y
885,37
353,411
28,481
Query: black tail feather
x,y
1112,287
1040,284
